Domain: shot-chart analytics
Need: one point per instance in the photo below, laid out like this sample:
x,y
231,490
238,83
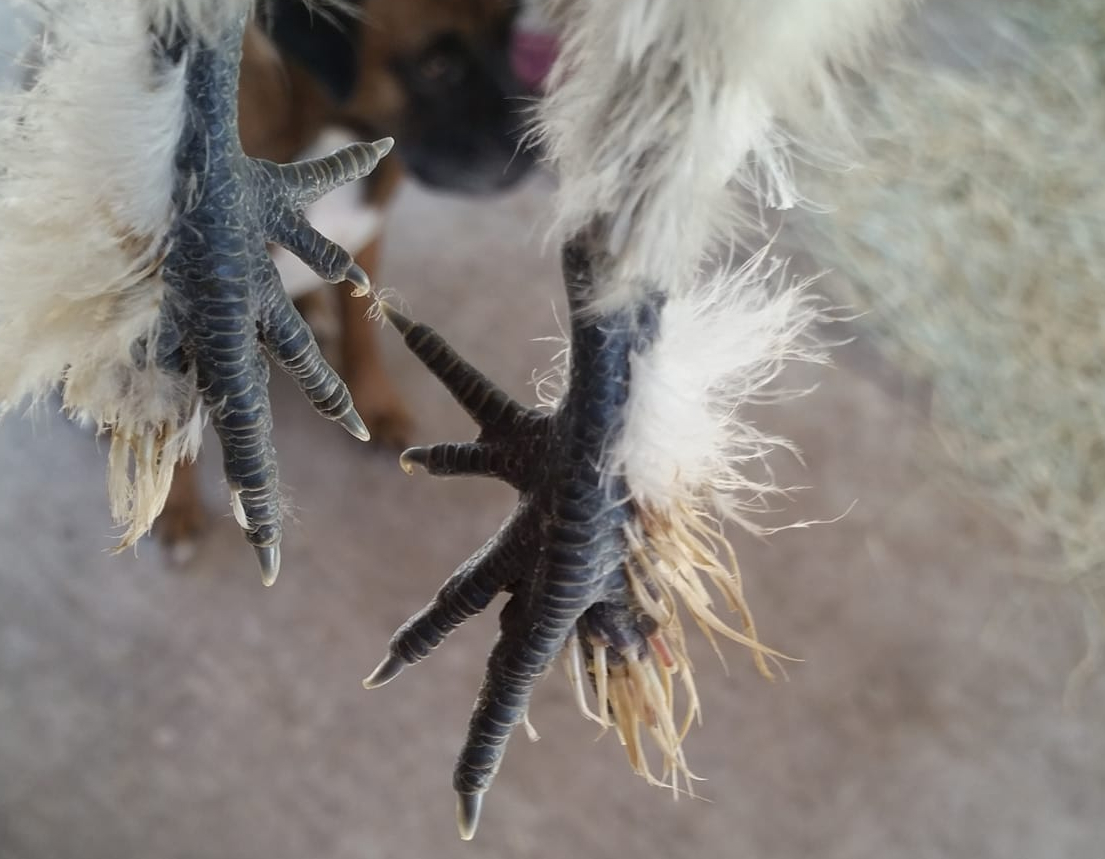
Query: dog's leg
x,y
184,517
374,396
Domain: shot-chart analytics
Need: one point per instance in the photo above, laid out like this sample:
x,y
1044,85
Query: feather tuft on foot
x,y
166,307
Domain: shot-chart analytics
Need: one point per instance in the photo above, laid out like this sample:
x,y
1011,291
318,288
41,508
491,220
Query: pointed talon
x,y
413,456
352,423
359,278
505,459
385,672
269,558
398,321
469,806
383,146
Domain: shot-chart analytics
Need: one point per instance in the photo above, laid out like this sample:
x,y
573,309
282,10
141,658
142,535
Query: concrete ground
x,y
151,712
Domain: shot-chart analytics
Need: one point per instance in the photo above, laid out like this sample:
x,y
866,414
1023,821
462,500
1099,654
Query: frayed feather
x,y
674,126
664,114
85,210
718,350
693,462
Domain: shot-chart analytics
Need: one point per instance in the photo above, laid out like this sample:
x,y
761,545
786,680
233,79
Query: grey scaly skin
x,y
226,311
562,554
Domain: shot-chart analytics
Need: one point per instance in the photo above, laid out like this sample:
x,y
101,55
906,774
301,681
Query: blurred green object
x,y
974,235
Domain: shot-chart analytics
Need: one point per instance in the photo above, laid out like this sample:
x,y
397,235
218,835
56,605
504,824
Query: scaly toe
x,y
385,672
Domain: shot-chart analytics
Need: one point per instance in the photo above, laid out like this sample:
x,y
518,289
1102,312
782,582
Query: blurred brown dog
x,y
434,74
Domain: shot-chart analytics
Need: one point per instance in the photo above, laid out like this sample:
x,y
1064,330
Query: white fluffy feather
x,y
672,120
85,206
668,120
661,109
687,439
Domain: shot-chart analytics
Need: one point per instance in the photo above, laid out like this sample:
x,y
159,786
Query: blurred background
x,y
944,706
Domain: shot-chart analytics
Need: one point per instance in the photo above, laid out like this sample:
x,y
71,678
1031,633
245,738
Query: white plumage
x,y
721,348
678,121
668,118
671,123
85,208
668,115
86,179
673,127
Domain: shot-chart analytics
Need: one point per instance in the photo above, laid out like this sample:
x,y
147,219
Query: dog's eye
x,y
441,68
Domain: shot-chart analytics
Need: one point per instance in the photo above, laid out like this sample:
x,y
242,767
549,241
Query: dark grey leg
x,y
563,555
226,312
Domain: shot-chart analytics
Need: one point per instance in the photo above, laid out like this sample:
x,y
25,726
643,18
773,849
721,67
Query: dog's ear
x,y
322,37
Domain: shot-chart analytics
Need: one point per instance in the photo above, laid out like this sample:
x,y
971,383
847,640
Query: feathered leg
x,y
567,556
659,109
563,551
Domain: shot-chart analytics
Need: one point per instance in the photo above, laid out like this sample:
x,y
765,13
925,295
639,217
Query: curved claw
x,y
450,459
411,457
269,559
388,669
469,806
353,424
359,278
